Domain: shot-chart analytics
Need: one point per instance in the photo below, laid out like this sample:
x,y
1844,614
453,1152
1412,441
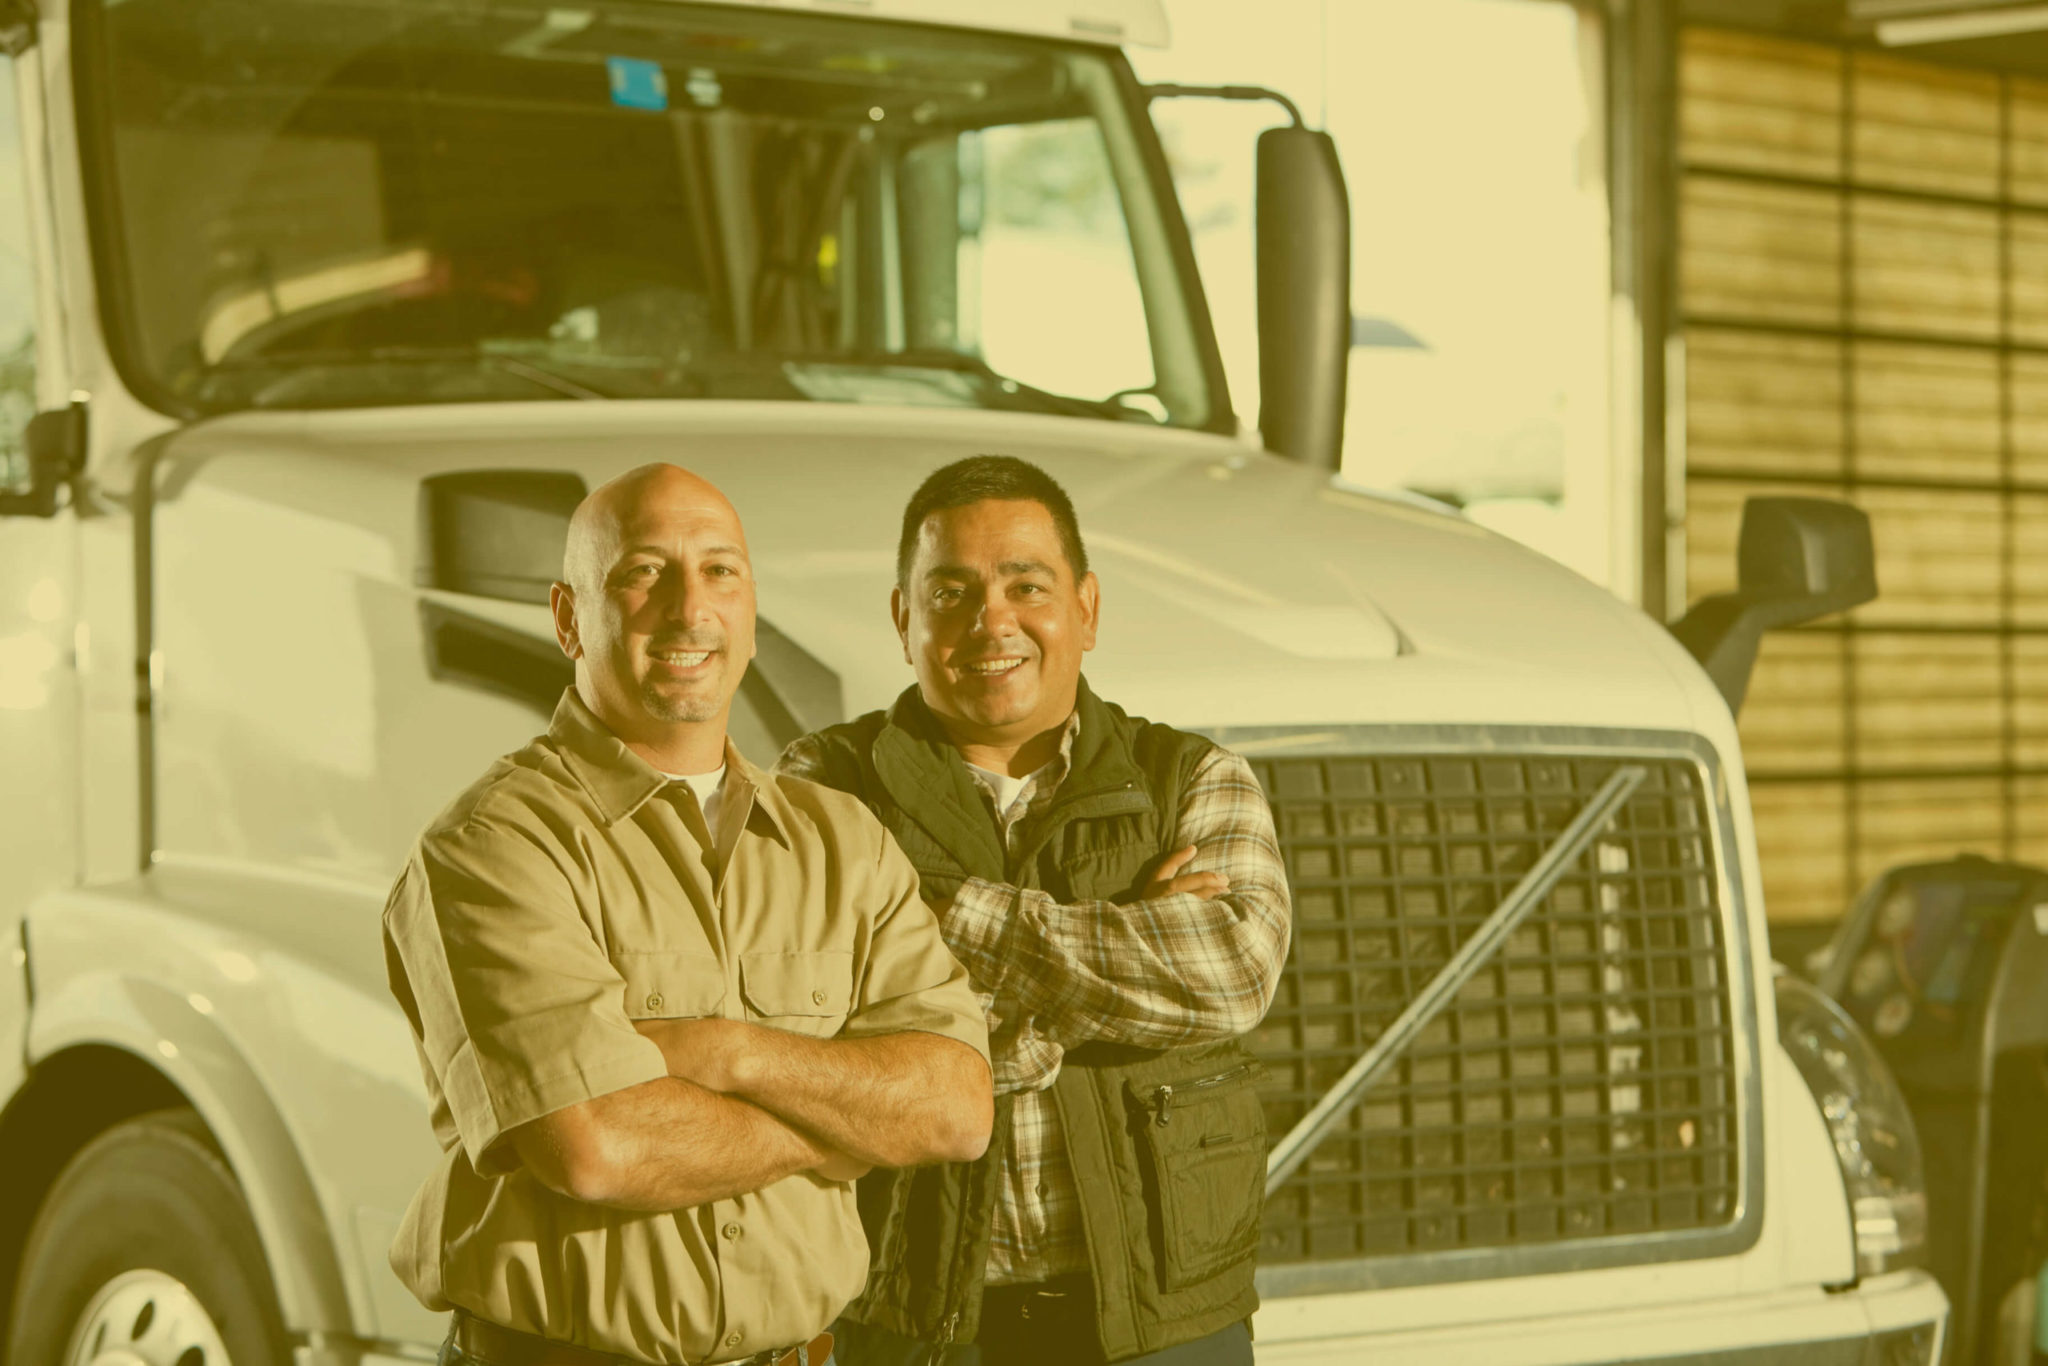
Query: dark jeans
x,y
860,1345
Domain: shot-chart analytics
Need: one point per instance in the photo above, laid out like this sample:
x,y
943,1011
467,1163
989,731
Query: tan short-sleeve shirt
x,y
572,891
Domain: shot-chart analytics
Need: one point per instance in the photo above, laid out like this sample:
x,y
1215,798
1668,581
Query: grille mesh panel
x,y
1582,1084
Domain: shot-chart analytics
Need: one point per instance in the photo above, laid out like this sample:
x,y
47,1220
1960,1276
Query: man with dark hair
x,y
1115,889
993,478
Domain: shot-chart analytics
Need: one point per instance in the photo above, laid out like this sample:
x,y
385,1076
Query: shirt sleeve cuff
x,y
512,1103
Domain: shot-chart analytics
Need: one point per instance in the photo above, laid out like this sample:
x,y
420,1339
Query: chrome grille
x,y
1583,1083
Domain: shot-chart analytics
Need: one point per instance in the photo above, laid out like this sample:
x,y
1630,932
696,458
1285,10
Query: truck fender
x,y
171,1035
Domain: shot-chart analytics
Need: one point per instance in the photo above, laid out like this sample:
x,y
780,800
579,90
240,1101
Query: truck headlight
x,y
1867,1118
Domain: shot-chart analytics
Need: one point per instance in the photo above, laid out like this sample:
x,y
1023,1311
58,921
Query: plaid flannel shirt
x,y
1161,973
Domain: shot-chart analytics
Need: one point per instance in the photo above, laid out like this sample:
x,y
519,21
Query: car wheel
x,y
144,1254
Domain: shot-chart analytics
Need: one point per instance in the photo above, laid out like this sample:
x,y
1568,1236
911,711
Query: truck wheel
x,y
144,1254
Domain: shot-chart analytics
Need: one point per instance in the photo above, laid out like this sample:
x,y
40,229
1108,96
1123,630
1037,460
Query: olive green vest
x,y
1167,1146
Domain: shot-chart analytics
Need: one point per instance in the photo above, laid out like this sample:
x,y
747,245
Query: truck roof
x,y
1114,23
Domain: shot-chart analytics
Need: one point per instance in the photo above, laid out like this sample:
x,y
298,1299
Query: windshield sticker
x,y
704,88
637,84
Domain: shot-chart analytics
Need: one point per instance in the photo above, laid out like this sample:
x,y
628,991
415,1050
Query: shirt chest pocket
x,y
805,993
669,984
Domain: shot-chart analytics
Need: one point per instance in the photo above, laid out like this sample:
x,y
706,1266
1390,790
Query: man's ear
x,y
899,612
1090,592
562,602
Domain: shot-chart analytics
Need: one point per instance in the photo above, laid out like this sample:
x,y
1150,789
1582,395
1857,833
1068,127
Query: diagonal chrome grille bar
x,y
1293,1150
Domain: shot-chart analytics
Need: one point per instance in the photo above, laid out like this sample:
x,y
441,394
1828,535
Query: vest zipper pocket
x,y
1201,1146
1162,1096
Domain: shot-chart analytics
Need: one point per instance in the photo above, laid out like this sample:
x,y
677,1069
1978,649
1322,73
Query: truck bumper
x,y
1893,1320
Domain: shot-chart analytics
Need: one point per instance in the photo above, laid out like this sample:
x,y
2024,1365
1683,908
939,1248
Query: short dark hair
x,y
982,477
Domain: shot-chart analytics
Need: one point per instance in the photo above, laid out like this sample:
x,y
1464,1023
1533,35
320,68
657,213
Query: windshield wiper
x,y
526,369
520,366
937,358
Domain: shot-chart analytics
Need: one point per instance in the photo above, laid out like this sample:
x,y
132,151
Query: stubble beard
x,y
685,707
692,702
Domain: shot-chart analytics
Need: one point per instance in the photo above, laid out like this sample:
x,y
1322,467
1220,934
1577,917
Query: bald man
x,y
669,1006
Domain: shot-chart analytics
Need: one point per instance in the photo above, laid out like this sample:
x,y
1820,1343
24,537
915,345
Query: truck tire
x,y
144,1254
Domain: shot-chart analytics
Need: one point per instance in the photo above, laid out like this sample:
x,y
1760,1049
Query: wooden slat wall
x,y
1864,282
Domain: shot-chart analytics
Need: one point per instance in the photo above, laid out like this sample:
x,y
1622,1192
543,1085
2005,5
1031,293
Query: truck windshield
x,y
335,203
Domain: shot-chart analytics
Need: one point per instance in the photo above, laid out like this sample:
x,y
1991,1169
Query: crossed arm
x,y
893,1100
517,1011
1196,957
746,1105
669,1144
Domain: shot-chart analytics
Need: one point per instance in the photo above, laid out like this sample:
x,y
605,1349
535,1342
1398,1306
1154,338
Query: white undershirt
x,y
1008,789
710,790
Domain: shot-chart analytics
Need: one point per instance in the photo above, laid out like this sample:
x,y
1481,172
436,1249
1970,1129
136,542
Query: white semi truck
x,y
327,311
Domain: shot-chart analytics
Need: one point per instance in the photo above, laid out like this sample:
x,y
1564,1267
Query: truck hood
x,y
1238,589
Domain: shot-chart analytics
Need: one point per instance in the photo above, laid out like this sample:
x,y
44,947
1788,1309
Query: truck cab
x,y
324,314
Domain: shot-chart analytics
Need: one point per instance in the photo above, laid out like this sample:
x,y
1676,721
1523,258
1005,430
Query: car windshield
x,y
334,203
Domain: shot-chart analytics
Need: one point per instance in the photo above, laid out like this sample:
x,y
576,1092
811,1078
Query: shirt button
x,y
654,1000
731,1230
817,998
732,1339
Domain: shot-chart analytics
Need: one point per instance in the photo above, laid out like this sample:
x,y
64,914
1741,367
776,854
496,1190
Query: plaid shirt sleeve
x,y
1151,974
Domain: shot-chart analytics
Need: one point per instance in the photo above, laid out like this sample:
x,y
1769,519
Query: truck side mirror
x,y
1303,230
54,443
496,533
1797,559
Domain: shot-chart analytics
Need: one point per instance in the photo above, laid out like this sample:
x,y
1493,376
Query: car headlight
x,y
1867,1118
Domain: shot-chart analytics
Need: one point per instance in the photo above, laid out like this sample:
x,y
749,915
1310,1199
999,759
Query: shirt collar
x,y
1062,763
620,782
1047,777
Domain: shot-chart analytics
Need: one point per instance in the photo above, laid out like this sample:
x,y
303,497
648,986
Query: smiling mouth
x,y
681,659
994,668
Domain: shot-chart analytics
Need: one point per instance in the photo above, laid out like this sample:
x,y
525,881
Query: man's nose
x,y
996,618
683,599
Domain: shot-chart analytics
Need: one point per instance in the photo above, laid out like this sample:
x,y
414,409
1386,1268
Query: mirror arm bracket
x,y
1168,90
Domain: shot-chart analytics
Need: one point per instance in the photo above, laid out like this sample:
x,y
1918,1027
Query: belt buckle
x,y
1053,1301
799,1355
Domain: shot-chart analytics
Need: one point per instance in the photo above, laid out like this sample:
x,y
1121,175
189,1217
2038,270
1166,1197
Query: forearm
x,y
666,1145
893,1100
1196,958
1152,974
896,1100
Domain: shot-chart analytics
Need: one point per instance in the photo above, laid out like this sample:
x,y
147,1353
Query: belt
x,y
492,1344
1064,1303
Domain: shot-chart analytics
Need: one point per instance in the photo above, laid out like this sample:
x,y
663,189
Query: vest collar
x,y
925,776
1102,752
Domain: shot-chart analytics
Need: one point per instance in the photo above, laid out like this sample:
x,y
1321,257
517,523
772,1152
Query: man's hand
x,y
711,1053
1168,880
